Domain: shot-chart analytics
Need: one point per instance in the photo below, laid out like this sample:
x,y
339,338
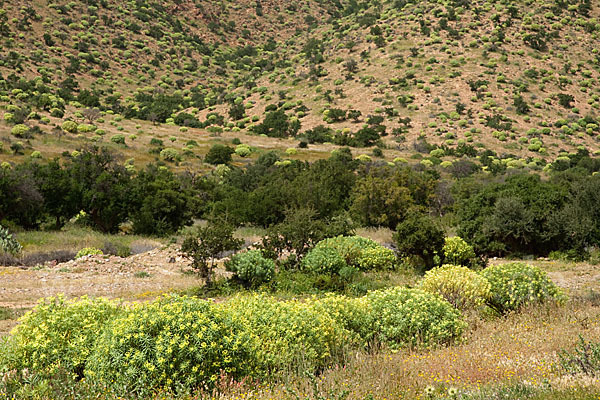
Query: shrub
x,y
59,334
460,286
402,317
292,334
243,150
173,342
360,252
514,285
88,251
351,314
323,260
20,130
8,243
85,128
118,138
169,154
251,267
418,236
378,258
457,251
69,126
219,154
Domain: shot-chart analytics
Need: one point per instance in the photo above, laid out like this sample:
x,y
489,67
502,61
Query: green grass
x,y
74,238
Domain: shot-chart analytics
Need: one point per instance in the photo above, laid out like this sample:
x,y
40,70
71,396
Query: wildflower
x,y
452,392
429,390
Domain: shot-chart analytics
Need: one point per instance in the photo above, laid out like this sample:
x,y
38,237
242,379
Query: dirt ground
x,y
139,277
144,276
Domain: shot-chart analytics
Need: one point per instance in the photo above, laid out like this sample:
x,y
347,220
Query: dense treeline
x,y
509,213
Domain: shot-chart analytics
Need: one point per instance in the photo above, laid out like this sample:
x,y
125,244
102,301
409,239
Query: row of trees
x,y
502,214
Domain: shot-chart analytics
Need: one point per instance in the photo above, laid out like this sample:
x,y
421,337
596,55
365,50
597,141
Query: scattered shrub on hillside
x,y
20,131
173,343
251,267
457,251
585,358
460,286
88,251
59,334
169,154
515,285
219,154
243,150
69,126
118,138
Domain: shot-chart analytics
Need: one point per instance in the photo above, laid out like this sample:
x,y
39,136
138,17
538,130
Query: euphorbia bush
x,y
360,252
457,251
58,334
173,342
402,317
292,334
461,286
251,267
514,285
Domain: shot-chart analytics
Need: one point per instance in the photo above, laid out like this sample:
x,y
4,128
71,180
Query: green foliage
x,y
20,130
419,236
251,267
69,126
585,358
294,337
219,154
277,124
460,286
243,150
172,343
118,139
402,317
88,251
457,251
59,334
515,285
8,243
323,260
170,154
360,252
206,243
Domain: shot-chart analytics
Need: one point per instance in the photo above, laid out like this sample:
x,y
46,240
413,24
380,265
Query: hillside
x,y
435,80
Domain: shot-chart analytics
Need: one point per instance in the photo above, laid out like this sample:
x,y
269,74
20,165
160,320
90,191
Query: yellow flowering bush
x,y
514,285
457,251
323,260
58,334
351,313
173,342
402,317
461,286
291,334
360,252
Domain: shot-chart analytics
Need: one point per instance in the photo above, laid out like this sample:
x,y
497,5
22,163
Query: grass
x,y
73,238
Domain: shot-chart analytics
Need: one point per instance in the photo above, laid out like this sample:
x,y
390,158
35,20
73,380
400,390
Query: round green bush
x,y
378,258
85,128
402,317
515,285
20,130
251,267
69,126
360,252
118,138
58,334
169,154
88,251
457,251
243,150
171,343
460,286
292,335
323,260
